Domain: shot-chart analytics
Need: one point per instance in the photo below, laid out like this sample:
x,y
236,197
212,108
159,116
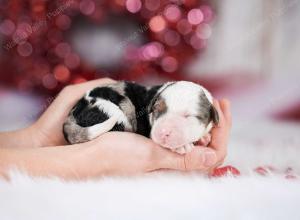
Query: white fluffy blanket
x,y
175,195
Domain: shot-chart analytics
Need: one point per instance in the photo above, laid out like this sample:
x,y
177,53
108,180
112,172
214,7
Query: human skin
x,y
41,150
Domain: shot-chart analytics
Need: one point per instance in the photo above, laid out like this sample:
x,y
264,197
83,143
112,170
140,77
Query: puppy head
x,y
181,113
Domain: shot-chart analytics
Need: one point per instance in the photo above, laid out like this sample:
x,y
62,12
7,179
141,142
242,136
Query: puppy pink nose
x,y
164,133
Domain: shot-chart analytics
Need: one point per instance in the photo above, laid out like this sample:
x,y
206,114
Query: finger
x,y
225,107
219,139
216,104
217,132
218,164
165,159
201,158
220,134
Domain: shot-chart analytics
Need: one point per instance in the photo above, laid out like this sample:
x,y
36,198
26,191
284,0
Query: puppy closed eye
x,y
186,115
200,118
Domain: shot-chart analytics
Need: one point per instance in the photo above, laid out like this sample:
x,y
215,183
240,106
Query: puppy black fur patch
x,y
87,116
137,95
107,94
118,127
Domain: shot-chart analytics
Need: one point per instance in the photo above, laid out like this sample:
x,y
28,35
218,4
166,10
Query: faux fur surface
x,y
175,195
153,197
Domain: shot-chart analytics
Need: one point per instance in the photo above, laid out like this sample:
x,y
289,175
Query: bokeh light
x,y
19,36
184,27
169,64
63,22
25,27
62,49
203,31
197,43
61,73
133,6
7,27
172,13
87,7
157,23
172,38
49,81
72,60
152,51
25,49
152,5
195,16
207,13
79,79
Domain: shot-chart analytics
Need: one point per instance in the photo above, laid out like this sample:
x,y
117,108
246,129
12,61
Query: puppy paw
x,y
185,149
179,150
205,140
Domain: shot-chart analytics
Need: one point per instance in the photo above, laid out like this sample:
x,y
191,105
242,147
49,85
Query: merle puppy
x,y
174,115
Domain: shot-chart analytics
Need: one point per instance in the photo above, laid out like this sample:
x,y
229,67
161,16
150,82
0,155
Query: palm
x,y
132,153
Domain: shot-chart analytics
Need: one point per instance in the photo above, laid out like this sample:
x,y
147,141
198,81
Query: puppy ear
x,y
152,96
150,106
214,115
149,109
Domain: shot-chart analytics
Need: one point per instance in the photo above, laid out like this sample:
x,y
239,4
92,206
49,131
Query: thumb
x,y
201,158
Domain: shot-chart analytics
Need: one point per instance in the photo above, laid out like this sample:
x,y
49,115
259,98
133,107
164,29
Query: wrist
x,y
36,135
64,162
30,137
22,138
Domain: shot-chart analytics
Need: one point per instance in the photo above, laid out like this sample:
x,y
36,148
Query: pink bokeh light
x,y
133,6
195,16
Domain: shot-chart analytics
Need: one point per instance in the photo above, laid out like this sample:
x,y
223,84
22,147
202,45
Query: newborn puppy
x,y
181,113
116,107
176,113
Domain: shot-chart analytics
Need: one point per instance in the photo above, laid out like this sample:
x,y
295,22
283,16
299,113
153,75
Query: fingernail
x,y
210,159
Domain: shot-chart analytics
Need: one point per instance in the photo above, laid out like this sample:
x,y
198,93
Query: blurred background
x,y
247,51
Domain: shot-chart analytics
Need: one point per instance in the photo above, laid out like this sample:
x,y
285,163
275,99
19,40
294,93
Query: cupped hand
x,y
129,153
122,152
47,131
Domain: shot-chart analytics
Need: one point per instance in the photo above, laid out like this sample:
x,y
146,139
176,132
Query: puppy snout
x,y
164,134
168,132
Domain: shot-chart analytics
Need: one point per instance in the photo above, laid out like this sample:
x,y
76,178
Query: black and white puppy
x,y
174,114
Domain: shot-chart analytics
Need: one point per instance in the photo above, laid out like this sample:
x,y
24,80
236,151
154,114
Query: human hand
x,y
118,153
47,131
129,153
